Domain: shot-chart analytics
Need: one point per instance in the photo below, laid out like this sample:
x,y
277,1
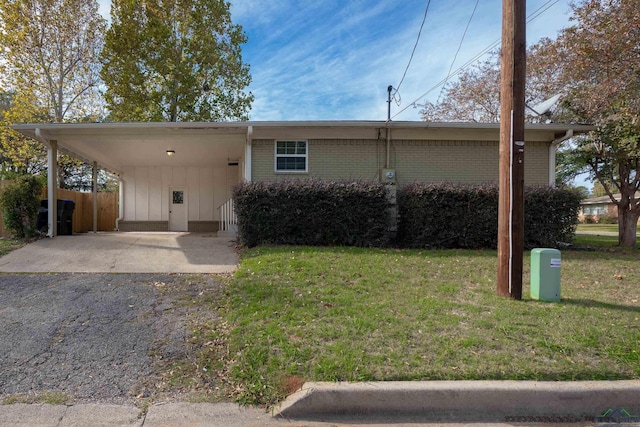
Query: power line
x,y
473,12
536,14
424,18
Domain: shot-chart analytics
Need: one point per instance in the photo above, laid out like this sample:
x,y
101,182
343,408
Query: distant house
x,y
179,176
596,208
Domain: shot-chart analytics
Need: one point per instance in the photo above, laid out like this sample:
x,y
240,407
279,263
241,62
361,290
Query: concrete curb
x,y
460,401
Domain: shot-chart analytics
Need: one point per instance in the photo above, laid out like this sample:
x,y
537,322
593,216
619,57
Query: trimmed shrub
x,y
20,204
465,216
442,215
608,219
312,212
550,216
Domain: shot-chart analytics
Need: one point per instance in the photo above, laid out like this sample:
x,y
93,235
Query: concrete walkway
x,y
125,252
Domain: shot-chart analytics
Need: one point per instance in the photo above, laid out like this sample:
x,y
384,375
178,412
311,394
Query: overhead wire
x,y
536,14
473,12
424,18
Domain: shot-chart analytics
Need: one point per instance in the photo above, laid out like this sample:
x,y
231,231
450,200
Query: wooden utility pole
x,y
511,199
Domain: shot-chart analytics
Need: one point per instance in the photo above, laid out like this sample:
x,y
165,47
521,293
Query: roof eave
x,y
238,126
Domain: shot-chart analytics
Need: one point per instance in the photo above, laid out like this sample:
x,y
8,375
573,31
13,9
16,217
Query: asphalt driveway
x,y
120,252
94,337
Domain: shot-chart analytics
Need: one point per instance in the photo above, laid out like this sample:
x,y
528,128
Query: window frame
x,y
595,209
276,156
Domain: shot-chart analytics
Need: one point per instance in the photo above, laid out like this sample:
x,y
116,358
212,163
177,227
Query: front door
x,y
178,214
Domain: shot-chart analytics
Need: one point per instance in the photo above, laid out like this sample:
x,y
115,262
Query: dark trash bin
x,y
65,220
42,221
65,210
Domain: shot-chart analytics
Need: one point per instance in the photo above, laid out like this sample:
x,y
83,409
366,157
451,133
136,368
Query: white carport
x,y
121,148
190,190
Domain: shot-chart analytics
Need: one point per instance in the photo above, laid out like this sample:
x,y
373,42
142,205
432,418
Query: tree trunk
x,y
627,226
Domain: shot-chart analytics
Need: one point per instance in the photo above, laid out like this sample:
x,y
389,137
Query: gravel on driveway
x,y
93,337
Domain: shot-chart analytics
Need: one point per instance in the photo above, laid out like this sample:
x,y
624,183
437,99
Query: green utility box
x,y
545,274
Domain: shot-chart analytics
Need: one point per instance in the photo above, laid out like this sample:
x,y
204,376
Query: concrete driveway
x,y
120,252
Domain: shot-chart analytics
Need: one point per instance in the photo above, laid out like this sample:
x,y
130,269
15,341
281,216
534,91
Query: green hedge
x,y
312,212
441,215
20,203
466,216
550,216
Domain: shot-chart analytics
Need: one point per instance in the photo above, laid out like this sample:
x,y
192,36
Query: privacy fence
x,y
83,213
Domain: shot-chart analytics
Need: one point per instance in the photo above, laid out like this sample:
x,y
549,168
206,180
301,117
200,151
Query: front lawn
x,y
594,241
294,314
7,245
595,228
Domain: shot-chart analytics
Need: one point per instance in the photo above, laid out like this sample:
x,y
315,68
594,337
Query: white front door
x,y
178,213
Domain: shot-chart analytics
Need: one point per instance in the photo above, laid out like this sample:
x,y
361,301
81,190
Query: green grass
x,y
597,242
610,228
47,397
8,245
295,314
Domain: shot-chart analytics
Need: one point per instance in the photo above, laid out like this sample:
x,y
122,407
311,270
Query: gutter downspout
x,y
94,191
388,156
552,156
52,182
120,202
247,155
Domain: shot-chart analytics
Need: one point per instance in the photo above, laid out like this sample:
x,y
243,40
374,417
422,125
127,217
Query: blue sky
x,y
333,59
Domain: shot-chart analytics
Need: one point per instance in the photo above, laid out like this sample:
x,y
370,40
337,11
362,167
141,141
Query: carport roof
x,y
115,145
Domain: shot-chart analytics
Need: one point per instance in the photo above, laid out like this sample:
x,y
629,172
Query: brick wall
x,y
424,161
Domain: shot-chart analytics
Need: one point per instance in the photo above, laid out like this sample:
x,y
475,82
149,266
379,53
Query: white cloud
x,y
334,59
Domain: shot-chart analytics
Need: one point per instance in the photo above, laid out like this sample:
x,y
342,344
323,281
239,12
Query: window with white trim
x,y
291,156
594,210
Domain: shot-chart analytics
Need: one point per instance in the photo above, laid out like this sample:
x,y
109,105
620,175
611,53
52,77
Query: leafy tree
x,y
20,155
49,55
174,61
20,204
80,178
50,50
601,53
598,190
582,191
475,95
566,169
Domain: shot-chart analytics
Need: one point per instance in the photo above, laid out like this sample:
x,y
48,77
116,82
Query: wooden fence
x,y
83,213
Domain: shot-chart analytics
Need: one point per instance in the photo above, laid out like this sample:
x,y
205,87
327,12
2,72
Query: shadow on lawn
x,y
599,304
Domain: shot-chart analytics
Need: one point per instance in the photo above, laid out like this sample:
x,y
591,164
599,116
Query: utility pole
x,y
511,198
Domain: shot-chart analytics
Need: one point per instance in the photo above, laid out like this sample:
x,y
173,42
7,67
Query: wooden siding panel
x,y
128,176
142,194
193,187
206,193
167,174
219,193
155,194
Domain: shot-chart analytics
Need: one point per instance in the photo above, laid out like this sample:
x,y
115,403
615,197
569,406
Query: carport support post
x,y
52,187
94,180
